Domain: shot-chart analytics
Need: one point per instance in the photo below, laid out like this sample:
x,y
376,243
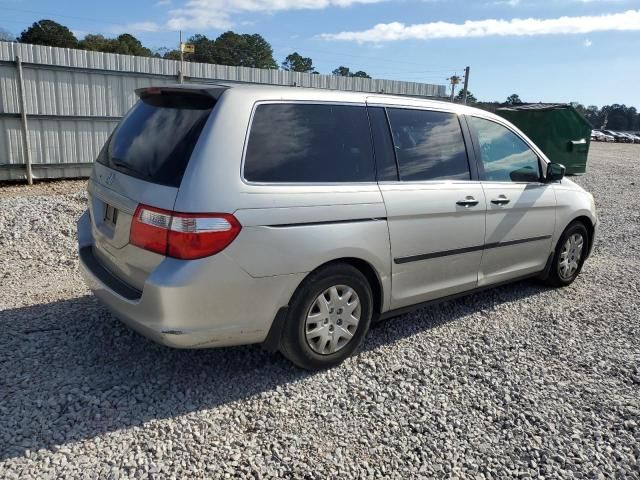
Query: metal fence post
x,y
23,116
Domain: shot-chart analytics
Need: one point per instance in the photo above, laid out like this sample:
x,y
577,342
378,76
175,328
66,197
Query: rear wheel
x,y
329,316
569,256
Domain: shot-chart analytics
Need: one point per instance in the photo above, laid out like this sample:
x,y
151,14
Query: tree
x,y
471,99
127,44
360,74
6,36
97,43
124,44
244,50
514,99
48,32
297,63
168,54
205,50
593,115
343,71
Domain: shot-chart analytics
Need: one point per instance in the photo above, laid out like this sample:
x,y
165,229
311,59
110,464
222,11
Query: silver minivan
x,y
235,214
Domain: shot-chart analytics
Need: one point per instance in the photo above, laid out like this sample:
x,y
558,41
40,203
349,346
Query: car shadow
x,y
70,371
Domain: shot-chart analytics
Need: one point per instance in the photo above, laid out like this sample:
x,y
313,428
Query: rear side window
x,y
155,139
505,157
429,145
309,143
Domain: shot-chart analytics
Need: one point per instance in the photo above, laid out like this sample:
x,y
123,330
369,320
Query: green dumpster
x,y
557,129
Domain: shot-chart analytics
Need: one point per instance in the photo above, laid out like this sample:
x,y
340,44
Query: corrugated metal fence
x,y
74,98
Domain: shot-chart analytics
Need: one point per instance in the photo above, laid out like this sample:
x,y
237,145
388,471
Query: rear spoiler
x,y
210,91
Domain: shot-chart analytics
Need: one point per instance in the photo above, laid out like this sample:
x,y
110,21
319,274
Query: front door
x,y
435,208
520,206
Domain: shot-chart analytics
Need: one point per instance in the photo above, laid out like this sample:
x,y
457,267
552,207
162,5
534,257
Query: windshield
x,y
154,141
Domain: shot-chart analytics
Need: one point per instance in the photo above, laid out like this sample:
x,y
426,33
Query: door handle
x,y
467,202
501,200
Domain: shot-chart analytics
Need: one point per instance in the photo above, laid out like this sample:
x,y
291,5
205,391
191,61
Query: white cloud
x,y
510,3
203,14
385,32
587,43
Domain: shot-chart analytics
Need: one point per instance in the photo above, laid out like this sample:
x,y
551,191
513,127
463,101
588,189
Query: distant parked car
x,y
619,137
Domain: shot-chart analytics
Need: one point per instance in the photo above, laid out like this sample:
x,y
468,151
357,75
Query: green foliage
x,y
129,45
230,48
205,51
124,44
343,71
471,99
244,50
50,33
297,63
167,53
360,74
514,99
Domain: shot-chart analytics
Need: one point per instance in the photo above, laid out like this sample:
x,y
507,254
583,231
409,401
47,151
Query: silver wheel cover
x,y
332,319
570,256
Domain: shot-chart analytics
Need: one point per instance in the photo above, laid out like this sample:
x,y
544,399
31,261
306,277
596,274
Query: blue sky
x,y
544,50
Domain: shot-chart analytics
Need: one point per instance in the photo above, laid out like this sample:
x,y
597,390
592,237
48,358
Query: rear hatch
x,y
143,162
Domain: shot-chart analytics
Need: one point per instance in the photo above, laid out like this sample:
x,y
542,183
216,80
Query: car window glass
x,y
429,145
155,140
383,145
505,156
291,142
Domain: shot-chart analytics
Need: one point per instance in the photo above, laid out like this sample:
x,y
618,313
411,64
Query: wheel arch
x,y
272,341
589,225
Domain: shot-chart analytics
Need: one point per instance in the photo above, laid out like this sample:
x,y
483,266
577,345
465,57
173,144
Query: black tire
x,y
294,344
555,278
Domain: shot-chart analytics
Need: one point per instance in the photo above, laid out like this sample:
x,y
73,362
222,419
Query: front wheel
x,y
569,256
329,316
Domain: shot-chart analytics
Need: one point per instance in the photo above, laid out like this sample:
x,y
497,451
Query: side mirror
x,y
555,172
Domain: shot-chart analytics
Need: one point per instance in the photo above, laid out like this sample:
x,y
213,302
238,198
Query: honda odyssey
x,y
236,214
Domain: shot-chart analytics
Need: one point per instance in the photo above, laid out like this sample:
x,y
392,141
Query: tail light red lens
x,y
182,235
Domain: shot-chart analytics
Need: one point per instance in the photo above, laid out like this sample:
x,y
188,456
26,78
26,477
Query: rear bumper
x,y
203,303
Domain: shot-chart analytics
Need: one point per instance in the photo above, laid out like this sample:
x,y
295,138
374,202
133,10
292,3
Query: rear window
x,y
309,143
154,141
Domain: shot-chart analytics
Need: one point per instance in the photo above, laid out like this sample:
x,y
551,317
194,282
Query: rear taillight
x,y
182,235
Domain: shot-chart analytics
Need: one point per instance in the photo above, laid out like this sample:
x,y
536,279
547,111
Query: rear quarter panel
x,y
286,228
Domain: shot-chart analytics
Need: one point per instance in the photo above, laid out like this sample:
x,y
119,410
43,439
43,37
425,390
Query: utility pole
x,y
455,80
180,74
466,85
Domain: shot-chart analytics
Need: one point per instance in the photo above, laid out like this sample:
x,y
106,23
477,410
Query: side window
x,y
505,157
383,145
293,142
429,145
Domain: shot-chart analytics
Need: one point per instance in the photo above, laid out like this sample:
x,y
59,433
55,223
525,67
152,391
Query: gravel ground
x,y
516,382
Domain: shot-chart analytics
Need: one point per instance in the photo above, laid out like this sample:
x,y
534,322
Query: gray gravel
x,y
516,382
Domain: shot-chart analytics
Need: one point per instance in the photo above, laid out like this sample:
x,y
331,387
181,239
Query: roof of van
x,y
282,92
